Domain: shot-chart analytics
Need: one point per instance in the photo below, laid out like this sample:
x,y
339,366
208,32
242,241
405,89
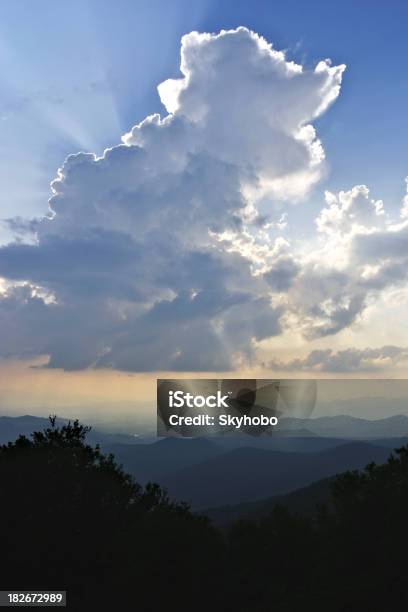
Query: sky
x,y
228,194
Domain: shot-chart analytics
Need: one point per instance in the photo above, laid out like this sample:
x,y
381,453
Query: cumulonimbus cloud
x,y
168,252
133,267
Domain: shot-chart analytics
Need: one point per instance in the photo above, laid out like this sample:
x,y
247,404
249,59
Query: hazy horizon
x,y
361,398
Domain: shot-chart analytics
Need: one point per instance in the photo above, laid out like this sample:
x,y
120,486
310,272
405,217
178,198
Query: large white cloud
x,y
132,267
167,252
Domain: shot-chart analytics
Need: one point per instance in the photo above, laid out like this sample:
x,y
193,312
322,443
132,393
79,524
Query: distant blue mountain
x,y
156,461
12,427
248,474
302,501
345,426
234,470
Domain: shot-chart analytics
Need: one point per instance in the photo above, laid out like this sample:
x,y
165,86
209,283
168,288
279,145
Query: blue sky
x,y
77,76
176,239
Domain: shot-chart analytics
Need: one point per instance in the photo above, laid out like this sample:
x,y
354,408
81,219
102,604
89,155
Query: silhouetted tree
x,y
72,519
351,556
364,538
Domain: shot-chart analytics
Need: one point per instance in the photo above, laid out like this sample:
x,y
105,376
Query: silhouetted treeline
x,y
71,519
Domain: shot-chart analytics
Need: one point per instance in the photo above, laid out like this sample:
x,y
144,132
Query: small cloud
x,y
347,360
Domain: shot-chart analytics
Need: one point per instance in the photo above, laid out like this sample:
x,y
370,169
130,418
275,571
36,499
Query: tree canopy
x,y
72,519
